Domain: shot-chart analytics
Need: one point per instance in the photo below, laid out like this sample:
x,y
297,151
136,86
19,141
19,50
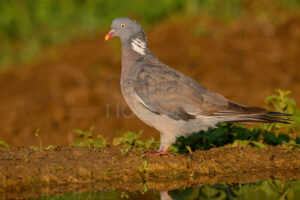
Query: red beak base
x,y
109,34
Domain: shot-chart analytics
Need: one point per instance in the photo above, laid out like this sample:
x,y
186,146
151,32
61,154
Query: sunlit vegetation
x,y
27,26
281,102
85,138
237,134
3,144
227,134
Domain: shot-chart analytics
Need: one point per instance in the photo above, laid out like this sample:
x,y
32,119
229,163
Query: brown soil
x,y
27,173
70,85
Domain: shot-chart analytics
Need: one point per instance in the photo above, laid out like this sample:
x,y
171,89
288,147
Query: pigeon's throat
x,y
139,45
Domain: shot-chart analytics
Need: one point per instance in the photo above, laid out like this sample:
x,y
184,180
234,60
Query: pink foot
x,y
158,153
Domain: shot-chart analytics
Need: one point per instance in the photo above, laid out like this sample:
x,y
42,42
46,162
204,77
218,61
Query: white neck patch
x,y
139,46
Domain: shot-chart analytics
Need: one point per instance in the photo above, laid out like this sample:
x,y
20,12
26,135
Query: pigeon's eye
x,y
123,25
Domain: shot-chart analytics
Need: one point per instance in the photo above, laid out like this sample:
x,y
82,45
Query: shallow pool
x,y
268,189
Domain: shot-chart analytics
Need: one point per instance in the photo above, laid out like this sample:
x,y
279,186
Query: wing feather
x,y
168,92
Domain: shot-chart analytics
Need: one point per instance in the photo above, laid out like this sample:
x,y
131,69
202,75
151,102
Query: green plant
x,y
288,146
290,4
280,102
145,187
173,149
231,135
228,134
85,138
26,26
50,147
226,10
132,140
244,143
26,157
192,175
238,135
3,144
107,171
37,134
144,169
124,151
35,148
151,144
124,195
189,149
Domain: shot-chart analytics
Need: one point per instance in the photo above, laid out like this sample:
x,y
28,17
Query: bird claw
x,y
158,153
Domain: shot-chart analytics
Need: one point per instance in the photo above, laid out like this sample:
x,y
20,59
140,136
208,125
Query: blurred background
x,y
58,74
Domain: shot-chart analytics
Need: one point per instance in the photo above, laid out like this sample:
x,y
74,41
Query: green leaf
x,y
3,144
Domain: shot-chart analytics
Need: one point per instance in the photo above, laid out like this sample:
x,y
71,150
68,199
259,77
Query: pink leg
x,y
165,141
163,150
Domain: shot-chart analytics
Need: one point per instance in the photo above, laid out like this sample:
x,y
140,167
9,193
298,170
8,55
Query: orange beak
x,y
109,35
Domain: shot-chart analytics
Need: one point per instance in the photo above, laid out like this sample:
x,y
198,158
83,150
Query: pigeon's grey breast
x,y
131,65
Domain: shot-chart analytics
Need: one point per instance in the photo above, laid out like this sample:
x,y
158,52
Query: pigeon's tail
x,y
269,117
254,114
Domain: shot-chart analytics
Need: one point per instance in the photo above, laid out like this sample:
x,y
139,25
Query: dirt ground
x,y
70,86
27,173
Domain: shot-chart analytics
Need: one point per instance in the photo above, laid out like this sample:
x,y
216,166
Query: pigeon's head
x,y
125,28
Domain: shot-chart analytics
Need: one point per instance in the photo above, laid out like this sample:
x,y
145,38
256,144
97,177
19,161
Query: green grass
x,y
3,144
227,134
281,102
27,26
85,138
224,9
237,134
289,4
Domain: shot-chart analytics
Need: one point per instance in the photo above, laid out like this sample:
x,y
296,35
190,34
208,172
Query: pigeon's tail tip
x,y
279,114
272,117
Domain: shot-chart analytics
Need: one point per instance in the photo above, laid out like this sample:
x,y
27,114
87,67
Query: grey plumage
x,y
168,100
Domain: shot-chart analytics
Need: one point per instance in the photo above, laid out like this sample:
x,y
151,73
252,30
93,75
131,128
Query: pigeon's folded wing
x,y
165,91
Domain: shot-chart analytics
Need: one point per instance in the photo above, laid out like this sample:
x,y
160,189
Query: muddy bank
x,y
29,173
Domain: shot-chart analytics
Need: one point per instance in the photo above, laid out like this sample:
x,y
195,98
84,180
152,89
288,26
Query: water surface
x,y
269,189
